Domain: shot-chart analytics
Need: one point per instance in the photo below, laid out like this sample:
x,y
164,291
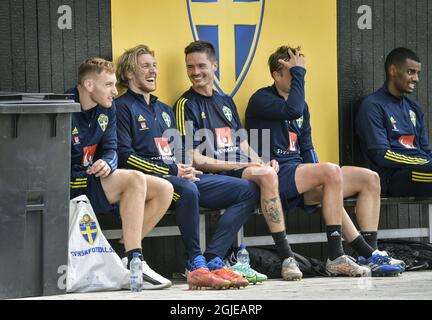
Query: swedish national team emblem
x,y
413,117
227,112
166,118
300,122
233,27
88,228
103,121
393,122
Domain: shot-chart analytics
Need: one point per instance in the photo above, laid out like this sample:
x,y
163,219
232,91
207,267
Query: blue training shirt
x,y
218,114
288,121
93,137
141,141
391,132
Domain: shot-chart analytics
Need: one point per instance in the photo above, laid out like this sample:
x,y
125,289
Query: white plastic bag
x,y
93,265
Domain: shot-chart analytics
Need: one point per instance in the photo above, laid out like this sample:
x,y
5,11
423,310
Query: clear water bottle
x,y
243,255
136,277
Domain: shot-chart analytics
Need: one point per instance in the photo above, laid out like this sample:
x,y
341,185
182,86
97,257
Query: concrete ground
x,y
415,285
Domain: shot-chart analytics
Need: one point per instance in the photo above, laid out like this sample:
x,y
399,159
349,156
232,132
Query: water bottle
x,y
136,277
243,256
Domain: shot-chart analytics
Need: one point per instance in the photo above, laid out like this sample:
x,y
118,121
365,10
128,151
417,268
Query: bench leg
x,y
202,233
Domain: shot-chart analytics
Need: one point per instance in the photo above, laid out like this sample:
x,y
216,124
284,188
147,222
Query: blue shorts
x,y
237,173
290,197
92,188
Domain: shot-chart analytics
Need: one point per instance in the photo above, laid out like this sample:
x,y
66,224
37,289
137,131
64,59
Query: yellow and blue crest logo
x,y
413,118
103,121
88,228
235,38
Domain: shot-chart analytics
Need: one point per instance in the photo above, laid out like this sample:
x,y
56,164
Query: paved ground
x,y
410,285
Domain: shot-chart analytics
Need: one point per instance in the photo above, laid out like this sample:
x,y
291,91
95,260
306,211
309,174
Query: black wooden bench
x,y
417,232
111,226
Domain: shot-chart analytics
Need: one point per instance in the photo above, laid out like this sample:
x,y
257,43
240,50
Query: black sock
x,y
209,256
334,240
129,255
282,246
362,247
371,238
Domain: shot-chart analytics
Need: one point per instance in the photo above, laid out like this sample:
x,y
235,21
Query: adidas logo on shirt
x,y
335,234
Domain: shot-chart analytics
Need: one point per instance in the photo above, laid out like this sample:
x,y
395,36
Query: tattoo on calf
x,y
272,209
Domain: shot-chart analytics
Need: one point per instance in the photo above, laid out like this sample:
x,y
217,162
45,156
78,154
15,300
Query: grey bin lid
x,y
36,103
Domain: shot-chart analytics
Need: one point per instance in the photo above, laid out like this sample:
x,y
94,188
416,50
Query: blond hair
x,y
94,65
128,62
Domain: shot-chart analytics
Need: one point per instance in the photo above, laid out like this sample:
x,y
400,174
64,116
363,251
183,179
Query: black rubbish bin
x,y
35,133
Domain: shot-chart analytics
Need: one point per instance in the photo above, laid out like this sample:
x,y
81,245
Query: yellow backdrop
x,y
164,26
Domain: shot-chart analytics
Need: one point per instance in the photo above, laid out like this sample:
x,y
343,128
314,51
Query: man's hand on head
x,y
296,60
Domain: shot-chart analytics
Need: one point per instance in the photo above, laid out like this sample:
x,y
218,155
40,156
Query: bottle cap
x,y
242,246
136,254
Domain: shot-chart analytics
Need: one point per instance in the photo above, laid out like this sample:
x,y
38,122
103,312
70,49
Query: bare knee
x,y
161,189
136,180
373,182
331,174
268,179
166,188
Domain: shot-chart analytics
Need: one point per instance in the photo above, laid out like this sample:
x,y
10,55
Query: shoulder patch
x,y
103,121
227,112
413,117
166,118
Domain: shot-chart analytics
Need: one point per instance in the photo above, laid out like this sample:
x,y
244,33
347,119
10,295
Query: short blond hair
x,y
128,62
94,65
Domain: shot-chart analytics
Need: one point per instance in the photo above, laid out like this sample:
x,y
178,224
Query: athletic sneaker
x,y
394,262
346,266
290,270
379,265
217,267
152,280
250,274
199,276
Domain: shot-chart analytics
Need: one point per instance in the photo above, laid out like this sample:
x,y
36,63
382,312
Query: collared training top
x,y
211,125
391,132
93,137
142,143
287,120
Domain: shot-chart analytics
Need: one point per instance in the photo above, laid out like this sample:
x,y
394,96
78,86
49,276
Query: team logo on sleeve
x,y
393,122
166,118
223,137
227,112
88,229
293,141
413,117
407,141
300,122
103,121
162,144
88,155
142,123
